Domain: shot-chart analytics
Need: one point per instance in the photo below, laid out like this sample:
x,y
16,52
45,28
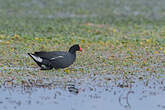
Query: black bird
x,y
55,59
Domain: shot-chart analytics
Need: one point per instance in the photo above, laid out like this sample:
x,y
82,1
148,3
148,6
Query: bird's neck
x,y
72,51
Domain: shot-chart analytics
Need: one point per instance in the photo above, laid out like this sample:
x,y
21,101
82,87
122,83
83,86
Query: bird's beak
x,y
80,49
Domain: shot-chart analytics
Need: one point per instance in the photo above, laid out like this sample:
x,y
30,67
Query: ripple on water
x,y
93,94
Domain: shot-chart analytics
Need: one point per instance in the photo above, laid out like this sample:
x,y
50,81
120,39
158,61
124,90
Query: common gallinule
x,y
55,59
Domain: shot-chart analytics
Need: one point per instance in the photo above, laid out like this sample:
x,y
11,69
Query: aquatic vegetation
x,y
123,47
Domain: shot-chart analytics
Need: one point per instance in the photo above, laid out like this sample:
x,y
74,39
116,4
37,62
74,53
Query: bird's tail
x,y
36,58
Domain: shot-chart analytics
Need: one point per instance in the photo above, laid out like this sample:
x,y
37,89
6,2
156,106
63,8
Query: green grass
x,y
116,36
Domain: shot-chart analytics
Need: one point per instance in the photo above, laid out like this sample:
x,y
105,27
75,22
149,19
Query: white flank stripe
x,y
37,58
57,57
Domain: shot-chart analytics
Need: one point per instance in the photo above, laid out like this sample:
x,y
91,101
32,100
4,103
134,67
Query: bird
x,y
55,59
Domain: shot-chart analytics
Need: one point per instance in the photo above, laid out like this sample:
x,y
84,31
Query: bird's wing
x,y
51,55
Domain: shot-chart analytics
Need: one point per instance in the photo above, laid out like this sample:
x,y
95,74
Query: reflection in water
x,y
73,89
89,95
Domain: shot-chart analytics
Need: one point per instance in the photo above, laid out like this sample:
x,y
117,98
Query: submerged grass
x,y
124,40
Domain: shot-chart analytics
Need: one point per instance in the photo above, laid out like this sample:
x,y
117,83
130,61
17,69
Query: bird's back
x,y
63,62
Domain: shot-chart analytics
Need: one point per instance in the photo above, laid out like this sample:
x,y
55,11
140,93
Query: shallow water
x,y
95,93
